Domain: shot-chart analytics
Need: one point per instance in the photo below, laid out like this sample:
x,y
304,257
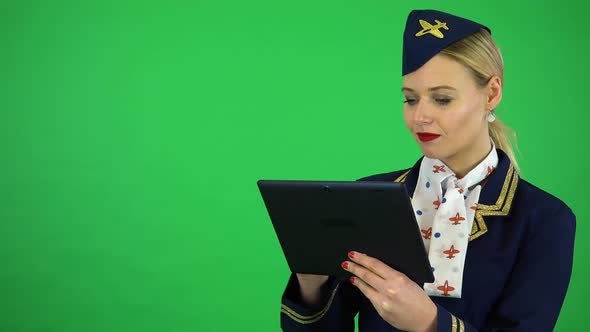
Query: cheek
x,y
473,114
408,118
465,120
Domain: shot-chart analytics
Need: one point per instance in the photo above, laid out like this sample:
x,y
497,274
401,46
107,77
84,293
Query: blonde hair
x,y
480,54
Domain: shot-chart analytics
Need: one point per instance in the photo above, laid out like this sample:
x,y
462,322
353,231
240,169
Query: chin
x,y
428,152
432,153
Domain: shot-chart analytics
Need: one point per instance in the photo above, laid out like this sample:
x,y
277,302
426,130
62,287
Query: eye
x,y
410,101
443,101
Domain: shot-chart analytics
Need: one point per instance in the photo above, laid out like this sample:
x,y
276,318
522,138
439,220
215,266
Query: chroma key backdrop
x,y
132,134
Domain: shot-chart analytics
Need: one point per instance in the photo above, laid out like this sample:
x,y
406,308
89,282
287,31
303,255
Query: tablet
x,y
318,222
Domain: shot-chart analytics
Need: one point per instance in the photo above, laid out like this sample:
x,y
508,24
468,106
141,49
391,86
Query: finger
x,y
378,267
370,292
379,302
368,276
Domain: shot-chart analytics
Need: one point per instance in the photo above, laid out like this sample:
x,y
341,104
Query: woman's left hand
x,y
398,299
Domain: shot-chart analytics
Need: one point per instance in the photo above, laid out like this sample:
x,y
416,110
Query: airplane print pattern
x,y
445,208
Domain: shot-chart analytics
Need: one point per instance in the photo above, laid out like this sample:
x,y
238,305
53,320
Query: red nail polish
x,y
352,280
351,254
345,265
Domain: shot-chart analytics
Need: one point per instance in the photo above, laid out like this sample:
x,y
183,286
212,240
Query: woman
x,y
501,248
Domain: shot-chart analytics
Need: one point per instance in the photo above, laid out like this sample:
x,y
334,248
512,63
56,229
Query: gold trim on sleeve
x,y
453,323
461,325
312,318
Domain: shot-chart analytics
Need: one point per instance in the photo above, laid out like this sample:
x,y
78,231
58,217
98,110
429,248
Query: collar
x,y
496,195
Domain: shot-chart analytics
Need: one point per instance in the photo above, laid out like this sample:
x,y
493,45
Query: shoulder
x,y
544,211
542,200
389,176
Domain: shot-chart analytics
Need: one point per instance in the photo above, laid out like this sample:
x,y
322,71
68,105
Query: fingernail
x,y
345,265
351,254
352,280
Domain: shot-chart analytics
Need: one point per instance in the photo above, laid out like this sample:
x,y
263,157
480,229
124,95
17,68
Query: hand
x,y
397,299
310,287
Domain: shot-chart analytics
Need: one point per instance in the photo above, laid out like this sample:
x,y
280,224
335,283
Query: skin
x,y
396,298
441,97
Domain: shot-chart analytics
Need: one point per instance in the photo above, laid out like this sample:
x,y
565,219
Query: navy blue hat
x,y
429,32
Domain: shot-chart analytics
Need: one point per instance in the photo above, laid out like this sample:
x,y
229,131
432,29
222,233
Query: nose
x,y
422,113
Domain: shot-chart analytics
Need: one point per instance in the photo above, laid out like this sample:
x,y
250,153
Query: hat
x,y
429,32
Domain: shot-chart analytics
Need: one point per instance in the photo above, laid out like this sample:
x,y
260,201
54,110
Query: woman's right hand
x,y
310,286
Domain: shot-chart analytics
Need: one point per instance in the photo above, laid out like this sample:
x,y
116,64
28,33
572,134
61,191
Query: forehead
x,y
440,70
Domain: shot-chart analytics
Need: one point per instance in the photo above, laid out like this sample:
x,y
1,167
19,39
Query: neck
x,y
463,163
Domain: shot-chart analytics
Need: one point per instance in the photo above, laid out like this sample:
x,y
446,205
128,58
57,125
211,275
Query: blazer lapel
x,y
496,196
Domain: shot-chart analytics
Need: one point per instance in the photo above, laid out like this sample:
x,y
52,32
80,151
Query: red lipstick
x,y
426,137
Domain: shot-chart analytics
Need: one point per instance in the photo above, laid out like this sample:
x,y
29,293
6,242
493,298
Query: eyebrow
x,y
440,87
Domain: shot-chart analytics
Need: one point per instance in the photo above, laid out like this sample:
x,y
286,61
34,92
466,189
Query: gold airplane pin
x,y
432,29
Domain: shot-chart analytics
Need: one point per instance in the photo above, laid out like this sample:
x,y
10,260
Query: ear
x,y
494,93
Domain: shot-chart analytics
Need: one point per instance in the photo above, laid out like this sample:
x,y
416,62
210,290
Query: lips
x,y
426,137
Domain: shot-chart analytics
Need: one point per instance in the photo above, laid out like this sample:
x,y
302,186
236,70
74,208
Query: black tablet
x,y
319,222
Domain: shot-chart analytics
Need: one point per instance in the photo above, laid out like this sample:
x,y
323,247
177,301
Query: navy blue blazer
x,y
516,275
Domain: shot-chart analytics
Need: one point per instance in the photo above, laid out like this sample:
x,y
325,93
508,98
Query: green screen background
x,y
132,135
